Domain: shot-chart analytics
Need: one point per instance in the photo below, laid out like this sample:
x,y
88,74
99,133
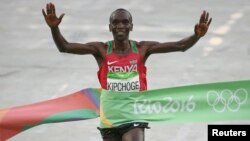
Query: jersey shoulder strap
x,y
134,48
109,49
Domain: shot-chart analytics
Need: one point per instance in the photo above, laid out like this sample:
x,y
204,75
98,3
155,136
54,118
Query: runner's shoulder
x,y
99,47
96,44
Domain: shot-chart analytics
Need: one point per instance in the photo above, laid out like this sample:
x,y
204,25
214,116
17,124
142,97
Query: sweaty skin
x,y
120,25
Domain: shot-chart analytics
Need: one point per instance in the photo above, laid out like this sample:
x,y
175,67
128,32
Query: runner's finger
x,y
61,16
44,14
47,8
207,16
53,8
50,8
202,17
210,20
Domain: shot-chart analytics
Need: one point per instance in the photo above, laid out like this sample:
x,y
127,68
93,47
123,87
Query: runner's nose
x,y
120,25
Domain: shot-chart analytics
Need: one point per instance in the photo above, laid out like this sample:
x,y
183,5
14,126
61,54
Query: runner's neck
x,y
121,48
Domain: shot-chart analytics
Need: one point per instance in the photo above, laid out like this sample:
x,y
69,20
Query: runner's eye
x,y
115,22
125,22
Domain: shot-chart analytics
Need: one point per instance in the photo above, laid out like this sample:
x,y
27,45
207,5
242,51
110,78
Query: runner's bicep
x,y
164,47
88,48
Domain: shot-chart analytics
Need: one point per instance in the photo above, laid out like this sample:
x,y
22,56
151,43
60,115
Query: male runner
x,y
122,61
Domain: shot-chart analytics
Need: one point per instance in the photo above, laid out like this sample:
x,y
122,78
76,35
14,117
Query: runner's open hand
x,y
51,19
202,27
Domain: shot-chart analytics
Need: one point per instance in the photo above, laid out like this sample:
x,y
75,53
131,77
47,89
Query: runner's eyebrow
x,y
125,21
115,21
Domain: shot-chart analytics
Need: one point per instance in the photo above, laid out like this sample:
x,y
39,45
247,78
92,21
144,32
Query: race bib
x,y
123,81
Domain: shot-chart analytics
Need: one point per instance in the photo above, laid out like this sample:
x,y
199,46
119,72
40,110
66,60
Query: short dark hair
x,y
120,10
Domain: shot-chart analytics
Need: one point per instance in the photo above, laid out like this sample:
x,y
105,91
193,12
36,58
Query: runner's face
x,y
120,25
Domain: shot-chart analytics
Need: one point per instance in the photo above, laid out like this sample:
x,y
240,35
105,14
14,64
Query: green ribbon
x,y
122,75
195,103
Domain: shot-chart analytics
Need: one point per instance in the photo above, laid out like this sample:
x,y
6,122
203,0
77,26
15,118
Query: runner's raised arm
x,y
62,44
200,30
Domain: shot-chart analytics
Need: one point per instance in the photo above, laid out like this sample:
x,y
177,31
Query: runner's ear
x,y
110,27
131,27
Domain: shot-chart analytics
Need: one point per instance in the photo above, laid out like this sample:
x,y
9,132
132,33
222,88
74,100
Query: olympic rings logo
x,y
227,99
